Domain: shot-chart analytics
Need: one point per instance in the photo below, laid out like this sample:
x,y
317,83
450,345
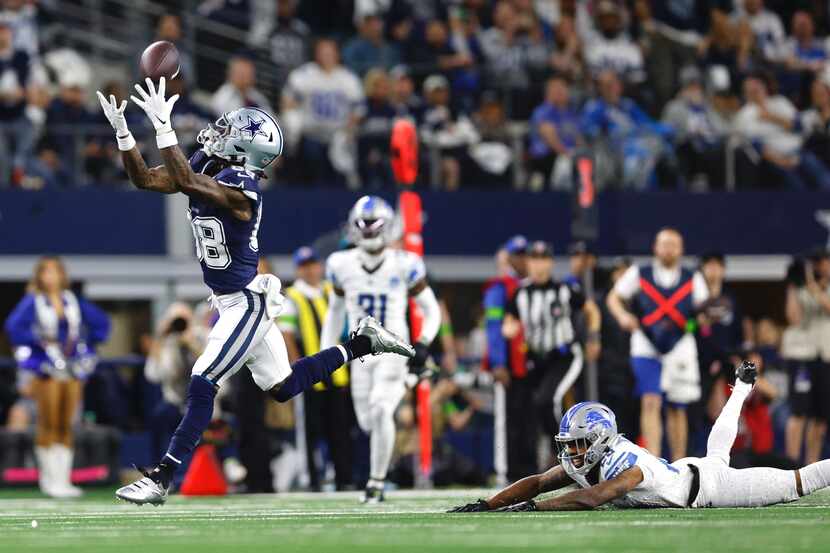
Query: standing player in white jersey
x,y
610,469
222,183
376,280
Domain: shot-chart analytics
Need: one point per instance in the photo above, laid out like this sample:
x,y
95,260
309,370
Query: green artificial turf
x,y
408,521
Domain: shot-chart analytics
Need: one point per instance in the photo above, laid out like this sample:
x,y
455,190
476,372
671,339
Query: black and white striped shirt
x,y
546,312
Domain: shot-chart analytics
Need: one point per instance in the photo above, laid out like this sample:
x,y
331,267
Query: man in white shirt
x,y
611,48
663,297
766,26
768,123
329,100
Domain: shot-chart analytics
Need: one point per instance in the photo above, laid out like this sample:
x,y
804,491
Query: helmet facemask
x,y
580,455
585,434
227,140
372,224
370,233
212,138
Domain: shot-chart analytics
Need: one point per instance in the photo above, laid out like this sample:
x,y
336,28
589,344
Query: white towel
x,y
270,286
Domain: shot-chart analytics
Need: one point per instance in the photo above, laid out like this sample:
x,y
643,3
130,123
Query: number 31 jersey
x,y
227,247
377,290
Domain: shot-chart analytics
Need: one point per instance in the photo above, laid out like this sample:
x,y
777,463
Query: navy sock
x,y
358,347
200,394
310,370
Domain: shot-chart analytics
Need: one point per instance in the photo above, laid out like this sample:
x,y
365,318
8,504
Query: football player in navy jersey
x,y
222,182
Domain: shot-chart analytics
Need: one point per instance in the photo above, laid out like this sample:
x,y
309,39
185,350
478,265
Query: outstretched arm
x,y
528,488
184,179
203,187
520,491
155,179
590,498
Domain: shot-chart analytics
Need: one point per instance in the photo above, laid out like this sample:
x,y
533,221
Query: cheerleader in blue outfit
x,y
54,333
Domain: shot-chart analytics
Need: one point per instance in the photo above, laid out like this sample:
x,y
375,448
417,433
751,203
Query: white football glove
x,y
158,110
115,115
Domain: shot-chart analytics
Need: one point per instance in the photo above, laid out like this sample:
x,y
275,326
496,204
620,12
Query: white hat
x,y
434,82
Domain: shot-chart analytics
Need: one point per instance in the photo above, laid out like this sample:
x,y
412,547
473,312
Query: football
x,y
160,59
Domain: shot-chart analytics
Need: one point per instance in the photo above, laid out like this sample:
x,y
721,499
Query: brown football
x,y
160,59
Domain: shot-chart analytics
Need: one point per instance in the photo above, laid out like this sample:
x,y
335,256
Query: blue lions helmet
x,y
585,433
249,137
372,224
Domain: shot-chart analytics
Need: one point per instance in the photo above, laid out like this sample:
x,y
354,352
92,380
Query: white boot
x,y
63,472
45,470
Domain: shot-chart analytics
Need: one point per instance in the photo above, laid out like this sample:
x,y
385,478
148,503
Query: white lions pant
x,y
244,334
723,486
378,384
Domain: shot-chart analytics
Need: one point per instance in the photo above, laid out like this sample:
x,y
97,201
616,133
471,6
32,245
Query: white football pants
x,y
723,486
378,385
244,335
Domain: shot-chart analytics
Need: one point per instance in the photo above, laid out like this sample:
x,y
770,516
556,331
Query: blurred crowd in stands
x,y
695,94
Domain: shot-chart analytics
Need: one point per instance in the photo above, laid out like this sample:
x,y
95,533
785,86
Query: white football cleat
x,y
144,490
383,341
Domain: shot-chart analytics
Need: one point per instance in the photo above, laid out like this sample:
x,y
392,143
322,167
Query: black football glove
x,y
417,363
519,507
479,506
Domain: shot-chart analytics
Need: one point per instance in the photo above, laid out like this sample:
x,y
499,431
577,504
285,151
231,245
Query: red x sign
x,y
665,307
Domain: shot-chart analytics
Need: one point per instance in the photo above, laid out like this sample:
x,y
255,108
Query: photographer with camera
x,y
180,339
806,349
169,361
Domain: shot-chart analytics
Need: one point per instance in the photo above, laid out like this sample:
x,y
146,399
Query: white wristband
x,y
125,143
166,140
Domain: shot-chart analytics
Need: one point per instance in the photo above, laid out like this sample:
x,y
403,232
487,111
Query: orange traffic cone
x,y
204,476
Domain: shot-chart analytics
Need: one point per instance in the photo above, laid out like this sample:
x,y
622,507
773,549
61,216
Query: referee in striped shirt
x,y
546,309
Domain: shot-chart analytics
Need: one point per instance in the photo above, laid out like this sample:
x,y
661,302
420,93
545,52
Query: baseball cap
x,y
516,245
607,7
434,82
540,248
399,71
690,75
305,254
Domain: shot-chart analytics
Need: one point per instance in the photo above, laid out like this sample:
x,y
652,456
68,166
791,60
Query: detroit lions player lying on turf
x,y
376,280
611,469
222,182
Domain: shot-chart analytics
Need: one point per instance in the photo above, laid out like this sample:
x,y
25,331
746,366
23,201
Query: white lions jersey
x,y
327,99
382,292
663,485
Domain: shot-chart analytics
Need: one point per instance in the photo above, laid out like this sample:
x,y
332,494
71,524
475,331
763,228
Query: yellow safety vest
x,y
311,312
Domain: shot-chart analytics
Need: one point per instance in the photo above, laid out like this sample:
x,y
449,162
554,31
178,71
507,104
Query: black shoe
x,y
747,372
373,495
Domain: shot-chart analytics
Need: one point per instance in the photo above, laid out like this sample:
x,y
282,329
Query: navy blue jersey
x,y
227,248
